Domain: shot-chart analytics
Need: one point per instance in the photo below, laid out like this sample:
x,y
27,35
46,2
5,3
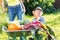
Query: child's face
x,y
38,12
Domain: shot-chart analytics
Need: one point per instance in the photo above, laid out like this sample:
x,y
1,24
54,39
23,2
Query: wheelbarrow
x,y
19,33
25,33
34,26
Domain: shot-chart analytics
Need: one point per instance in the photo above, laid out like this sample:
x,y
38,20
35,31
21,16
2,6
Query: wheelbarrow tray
x,y
18,33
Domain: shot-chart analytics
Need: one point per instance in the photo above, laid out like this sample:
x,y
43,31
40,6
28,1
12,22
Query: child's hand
x,y
35,14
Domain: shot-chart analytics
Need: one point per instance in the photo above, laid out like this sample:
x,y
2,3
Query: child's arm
x,y
35,15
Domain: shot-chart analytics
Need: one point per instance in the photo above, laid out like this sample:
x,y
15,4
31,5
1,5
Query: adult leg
x,y
20,12
12,13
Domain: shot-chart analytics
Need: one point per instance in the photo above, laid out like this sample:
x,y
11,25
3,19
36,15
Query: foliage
x,y
46,5
3,21
53,22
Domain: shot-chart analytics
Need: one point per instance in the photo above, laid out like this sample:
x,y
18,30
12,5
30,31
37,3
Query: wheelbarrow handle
x,y
4,28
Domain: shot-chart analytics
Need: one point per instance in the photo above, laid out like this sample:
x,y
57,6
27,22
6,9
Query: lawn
x,y
53,20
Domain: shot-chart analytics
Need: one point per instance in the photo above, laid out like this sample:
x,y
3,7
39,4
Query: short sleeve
x,y
42,20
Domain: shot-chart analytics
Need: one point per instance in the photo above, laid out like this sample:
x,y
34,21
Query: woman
x,y
15,7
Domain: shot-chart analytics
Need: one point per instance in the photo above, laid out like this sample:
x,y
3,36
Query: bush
x,y
3,21
46,5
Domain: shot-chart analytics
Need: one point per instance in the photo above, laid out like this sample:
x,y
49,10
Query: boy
x,y
37,12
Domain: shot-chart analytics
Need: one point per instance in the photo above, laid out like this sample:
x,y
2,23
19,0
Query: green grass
x,y
53,20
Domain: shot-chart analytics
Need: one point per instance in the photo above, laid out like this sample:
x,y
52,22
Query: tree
x,y
46,5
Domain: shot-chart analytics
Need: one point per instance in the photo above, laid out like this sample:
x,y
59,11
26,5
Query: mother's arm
x,y
3,6
21,1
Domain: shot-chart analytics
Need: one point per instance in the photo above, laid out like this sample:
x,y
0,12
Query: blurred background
x,y
51,9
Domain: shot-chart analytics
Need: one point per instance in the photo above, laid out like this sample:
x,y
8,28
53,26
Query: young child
x,y
37,12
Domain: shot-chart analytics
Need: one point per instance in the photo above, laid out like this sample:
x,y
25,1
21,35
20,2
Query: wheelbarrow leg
x,y
8,36
14,36
33,34
23,36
